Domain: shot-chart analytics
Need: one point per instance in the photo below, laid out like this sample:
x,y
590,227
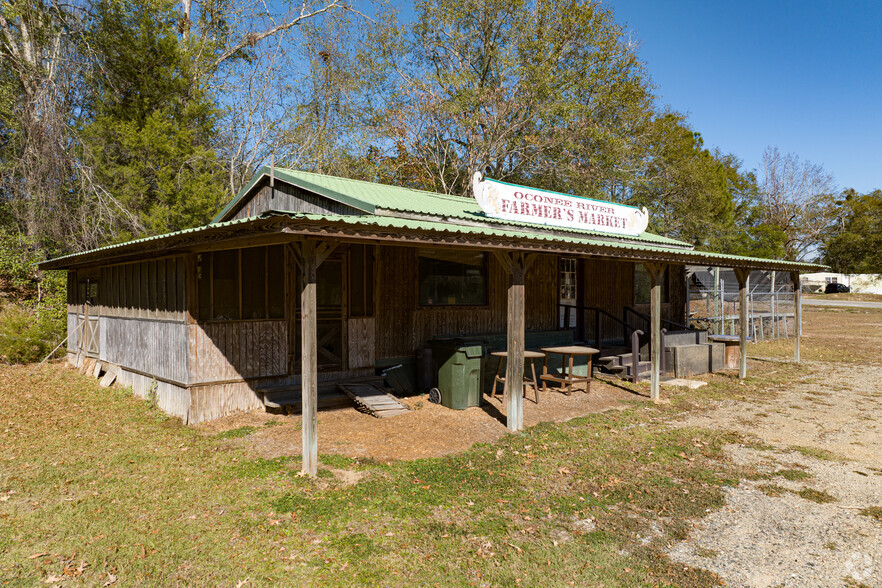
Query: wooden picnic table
x,y
567,378
529,356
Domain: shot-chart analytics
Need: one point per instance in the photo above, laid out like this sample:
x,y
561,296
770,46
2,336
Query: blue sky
x,y
805,76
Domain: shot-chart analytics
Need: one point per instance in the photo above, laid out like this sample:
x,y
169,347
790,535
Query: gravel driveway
x,y
805,522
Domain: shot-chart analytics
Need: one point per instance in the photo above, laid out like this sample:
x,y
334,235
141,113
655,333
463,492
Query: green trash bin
x,y
459,371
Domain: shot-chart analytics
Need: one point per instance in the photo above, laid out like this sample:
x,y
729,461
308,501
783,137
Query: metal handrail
x,y
598,312
647,318
635,355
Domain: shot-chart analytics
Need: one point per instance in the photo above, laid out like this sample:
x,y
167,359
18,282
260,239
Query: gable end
x,y
288,198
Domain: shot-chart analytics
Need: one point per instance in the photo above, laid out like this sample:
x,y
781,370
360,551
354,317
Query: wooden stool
x,y
528,356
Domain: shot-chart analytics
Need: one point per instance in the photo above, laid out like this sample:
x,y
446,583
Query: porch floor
x,y
429,430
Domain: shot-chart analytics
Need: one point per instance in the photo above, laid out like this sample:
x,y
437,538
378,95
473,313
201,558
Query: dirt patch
x,y
834,334
803,521
428,430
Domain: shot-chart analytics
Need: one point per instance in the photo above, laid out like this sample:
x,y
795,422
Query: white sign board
x,y
529,205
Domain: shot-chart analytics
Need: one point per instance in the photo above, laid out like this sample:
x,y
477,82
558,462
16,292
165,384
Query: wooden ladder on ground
x,y
373,398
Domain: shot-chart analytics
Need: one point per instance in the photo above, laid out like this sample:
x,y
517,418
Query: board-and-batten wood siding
x,y
288,198
403,326
609,285
170,398
153,289
154,348
224,351
675,309
362,342
74,333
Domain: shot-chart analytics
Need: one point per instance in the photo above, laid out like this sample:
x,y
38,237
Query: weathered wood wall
x,y
609,284
153,289
217,400
362,342
224,351
677,283
170,398
153,347
289,198
675,309
74,334
403,326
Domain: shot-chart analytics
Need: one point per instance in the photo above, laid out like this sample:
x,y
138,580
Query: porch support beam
x,y
743,277
515,264
309,255
656,273
797,314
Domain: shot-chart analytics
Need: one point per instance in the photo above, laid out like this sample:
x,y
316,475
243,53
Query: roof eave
x,y
297,225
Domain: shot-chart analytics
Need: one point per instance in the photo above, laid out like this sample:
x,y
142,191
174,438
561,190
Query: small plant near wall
x,y
152,394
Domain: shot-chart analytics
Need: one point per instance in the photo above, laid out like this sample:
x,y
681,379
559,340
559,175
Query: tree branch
x,y
252,39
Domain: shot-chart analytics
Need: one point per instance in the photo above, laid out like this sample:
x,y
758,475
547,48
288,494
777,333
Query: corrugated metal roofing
x,y
194,230
385,200
451,228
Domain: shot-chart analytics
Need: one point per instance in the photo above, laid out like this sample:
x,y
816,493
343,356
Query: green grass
x,y
772,490
236,433
793,475
818,496
96,476
873,511
817,453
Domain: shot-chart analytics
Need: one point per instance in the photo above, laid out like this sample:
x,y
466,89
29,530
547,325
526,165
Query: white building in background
x,y
859,283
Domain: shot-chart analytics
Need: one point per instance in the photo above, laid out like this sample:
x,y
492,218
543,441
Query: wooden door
x,y
330,316
88,314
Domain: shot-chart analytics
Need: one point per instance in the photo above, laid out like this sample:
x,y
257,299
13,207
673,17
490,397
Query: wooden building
x,y
360,276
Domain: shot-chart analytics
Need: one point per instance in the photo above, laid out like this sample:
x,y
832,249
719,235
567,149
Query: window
x,y
452,278
242,284
361,280
568,278
642,285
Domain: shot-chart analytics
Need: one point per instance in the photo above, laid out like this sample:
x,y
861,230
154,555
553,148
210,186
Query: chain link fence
x,y
712,303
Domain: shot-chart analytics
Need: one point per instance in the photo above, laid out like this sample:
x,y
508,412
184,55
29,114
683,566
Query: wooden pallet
x,y
373,399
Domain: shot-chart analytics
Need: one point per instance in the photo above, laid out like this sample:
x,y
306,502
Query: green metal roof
x,y
454,229
166,236
385,200
392,224
395,207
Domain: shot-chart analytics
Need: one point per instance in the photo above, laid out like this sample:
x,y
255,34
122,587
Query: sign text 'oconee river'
x,y
519,203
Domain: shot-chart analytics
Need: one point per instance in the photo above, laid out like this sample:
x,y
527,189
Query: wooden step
x,y
293,402
288,395
608,360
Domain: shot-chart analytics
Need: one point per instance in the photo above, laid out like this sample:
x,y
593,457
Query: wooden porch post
x,y
310,256
797,314
743,277
515,264
656,272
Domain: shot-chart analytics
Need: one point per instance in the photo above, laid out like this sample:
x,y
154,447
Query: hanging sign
x,y
529,205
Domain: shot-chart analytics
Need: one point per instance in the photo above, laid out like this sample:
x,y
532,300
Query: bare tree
x,y
258,63
241,52
798,198
42,178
